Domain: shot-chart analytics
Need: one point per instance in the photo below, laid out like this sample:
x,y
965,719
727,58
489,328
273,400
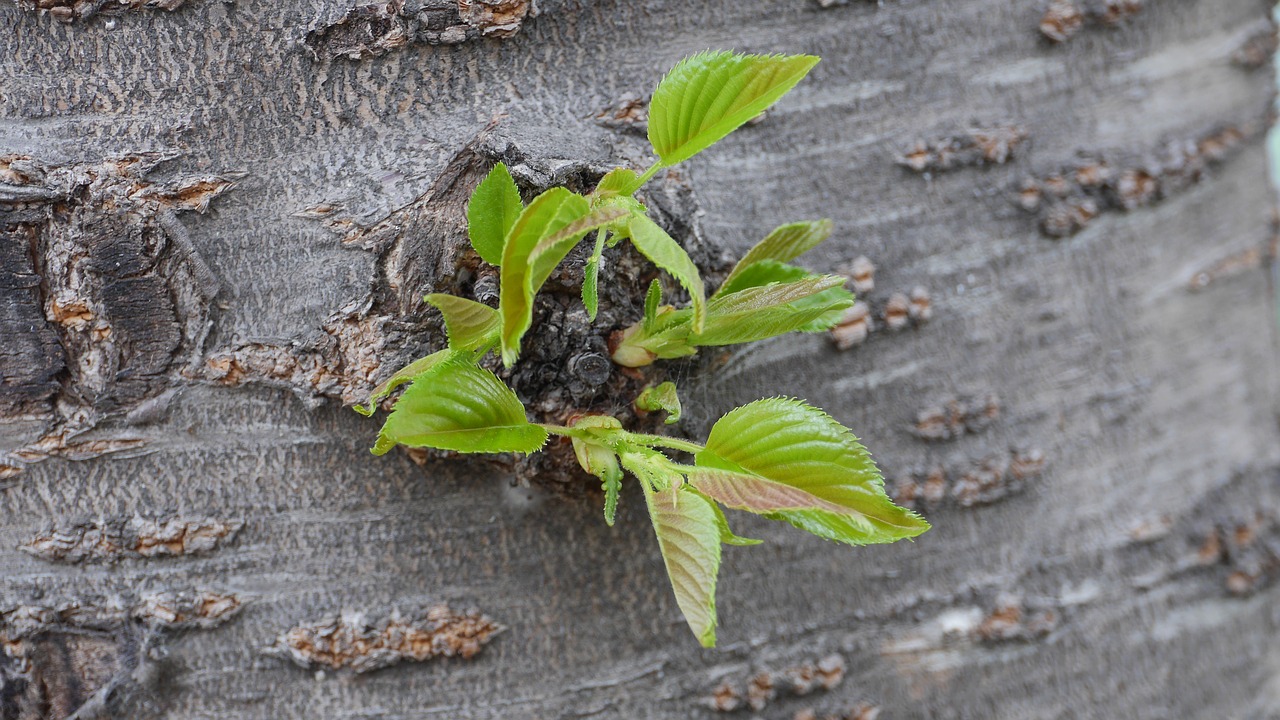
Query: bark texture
x,y
216,220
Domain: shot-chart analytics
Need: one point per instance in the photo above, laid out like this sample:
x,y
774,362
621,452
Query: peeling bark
x,y
367,31
352,641
136,538
120,290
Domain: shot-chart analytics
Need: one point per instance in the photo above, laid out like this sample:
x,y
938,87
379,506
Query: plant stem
x,y
667,442
648,174
562,430
639,438
601,236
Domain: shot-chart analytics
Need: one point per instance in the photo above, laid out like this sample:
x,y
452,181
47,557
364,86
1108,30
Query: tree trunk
x,y
216,221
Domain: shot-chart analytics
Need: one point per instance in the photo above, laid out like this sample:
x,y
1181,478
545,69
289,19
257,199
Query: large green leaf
x,y
471,325
689,537
711,94
662,250
543,234
783,244
458,406
756,313
790,461
493,209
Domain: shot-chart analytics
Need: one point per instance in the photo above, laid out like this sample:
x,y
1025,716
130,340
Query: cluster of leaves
x,y
777,457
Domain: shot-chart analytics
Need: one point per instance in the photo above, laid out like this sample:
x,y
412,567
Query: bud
x,y
595,457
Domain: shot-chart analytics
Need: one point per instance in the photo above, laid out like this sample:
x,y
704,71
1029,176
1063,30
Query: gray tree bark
x,y
215,223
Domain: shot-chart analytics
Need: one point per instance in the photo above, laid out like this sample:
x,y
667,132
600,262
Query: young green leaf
x,y
471,325
661,397
833,300
762,312
652,468
790,461
402,376
761,273
596,457
711,94
669,338
662,250
543,234
617,182
783,244
652,299
727,536
458,406
493,209
689,538
591,278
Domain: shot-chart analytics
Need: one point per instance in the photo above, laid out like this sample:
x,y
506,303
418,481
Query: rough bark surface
x,y
216,220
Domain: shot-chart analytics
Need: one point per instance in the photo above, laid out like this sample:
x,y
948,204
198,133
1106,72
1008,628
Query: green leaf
x,y
711,94
617,182
833,300
651,467
662,250
689,538
652,299
493,209
727,536
790,461
783,244
402,376
591,278
762,312
661,397
761,273
543,234
458,406
667,338
471,325
596,456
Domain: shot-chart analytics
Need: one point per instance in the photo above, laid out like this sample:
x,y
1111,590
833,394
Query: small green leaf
x,y
761,273
597,457
471,325
661,397
458,406
651,467
783,244
727,536
617,182
662,250
543,234
402,376
493,209
790,461
689,538
590,288
711,94
833,300
591,278
668,338
762,312
652,299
